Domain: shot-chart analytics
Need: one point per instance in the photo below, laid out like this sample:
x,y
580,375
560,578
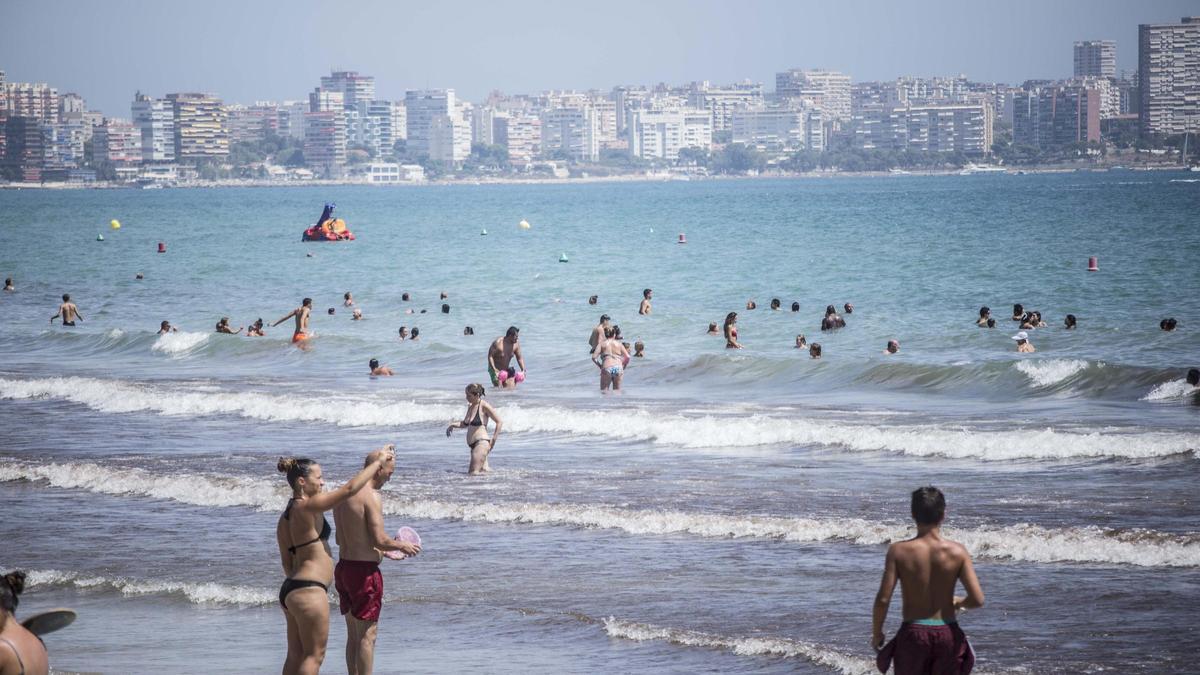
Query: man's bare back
x,y
929,568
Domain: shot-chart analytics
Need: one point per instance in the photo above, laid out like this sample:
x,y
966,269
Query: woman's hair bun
x,y
285,464
15,581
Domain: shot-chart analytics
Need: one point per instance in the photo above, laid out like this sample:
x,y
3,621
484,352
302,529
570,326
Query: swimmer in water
x,y
444,295
223,327
357,316
479,413
639,350
750,304
848,308
893,346
348,300
377,369
1018,312
644,308
1193,377
332,311
1069,322
598,332
1024,346
985,313
68,311
593,300
8,285
403,333
814,350
404,297
795,307
301,315
801,342
445,308
832,321
730,330
501,353
991,322
415,335
713,330
610,356
166,327
468,331
1167,324
256,329
775,304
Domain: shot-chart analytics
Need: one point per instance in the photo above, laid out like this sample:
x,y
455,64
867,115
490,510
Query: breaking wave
x,y
1047,372
197,593
178,343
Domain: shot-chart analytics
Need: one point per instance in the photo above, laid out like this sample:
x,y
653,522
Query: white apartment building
x,y
156,120
291,118
1096,58
521,133
930,127
662,134
355,89
390,173
116,142
421,107
573,132
828,90
449,138
723,102
776,127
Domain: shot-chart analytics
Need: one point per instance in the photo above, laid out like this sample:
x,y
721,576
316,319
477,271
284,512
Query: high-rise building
x,y
254,123
663,133
1052,117
201,127
943,127
355,89
1096,58
1169,76
521,133
420,108
155,117
291,119
26,147
116,142
779,127
39,101
399,121
3,113
325,141
828,90
573,133
724,102
449,137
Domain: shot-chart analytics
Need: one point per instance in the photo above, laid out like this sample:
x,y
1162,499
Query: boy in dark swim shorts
x,y
929,568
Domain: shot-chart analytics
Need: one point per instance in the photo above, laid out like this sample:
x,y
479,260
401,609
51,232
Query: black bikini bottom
x,y
290,585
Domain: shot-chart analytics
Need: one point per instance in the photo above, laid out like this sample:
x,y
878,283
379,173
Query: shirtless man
x,y
500,355
598,332
644,308
68,311
166,327
361,541
1024,346
8,285
928,567
301,313
377,370
223,327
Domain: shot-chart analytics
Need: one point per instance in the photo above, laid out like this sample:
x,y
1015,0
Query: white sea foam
x,y
1169,390
178,343
198,593
1047,372
742,646
717,429
1019,542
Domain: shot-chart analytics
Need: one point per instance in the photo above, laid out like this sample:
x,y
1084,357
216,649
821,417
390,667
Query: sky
x,y
255,50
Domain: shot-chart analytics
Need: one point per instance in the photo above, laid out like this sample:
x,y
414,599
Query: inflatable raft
x,y
328,228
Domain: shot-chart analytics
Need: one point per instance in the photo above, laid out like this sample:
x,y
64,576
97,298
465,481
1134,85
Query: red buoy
x,y
162,248
682,238
1093,264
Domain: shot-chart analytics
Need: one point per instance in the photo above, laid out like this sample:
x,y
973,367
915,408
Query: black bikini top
x,y
326,530
478,421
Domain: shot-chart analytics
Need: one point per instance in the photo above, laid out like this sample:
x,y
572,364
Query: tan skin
x,y
644,307
68,311
928,567
1025,347
307,610
477,437
610,352
501,354
730,340
597,334
301,314
358,522
32,652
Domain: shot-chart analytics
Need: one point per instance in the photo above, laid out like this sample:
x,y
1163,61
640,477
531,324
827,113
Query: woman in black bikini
x,y
303,535
21,651
479,412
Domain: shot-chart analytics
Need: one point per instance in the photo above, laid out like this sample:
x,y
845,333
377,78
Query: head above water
x,y
164,325
403,331
1018,309
893,346
795,307
604,319
307,302
1069,322
444,295
593,300
445,308
985,312
928,505
775,304
374,363
730,318
991,323
331,311
1193,377
814,350
416,333
11,587
830,309
468,330
646,293
848,308
404,297
66,297
298,470
347,295
1168,324
512,333
476,390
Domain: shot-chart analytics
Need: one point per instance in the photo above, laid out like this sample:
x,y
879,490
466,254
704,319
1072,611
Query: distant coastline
x,y
580,180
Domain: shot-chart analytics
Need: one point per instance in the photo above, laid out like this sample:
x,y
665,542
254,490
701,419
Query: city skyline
x,y
286,50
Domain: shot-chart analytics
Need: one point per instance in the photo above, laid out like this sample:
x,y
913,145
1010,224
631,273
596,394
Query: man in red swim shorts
x,y
361,540
929,567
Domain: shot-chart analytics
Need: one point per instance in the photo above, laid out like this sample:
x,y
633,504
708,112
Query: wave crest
x,y
197,593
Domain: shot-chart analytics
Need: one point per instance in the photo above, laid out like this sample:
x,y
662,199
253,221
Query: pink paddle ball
x,y
520,377
407,535
502,376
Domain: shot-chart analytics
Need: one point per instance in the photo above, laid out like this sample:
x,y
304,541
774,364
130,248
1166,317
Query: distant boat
x,y
899,172
970,169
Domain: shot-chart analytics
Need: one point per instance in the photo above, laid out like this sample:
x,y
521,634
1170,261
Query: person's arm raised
x,y
327,500
285,318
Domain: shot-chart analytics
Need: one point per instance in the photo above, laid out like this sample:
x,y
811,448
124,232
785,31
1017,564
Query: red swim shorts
x,y
359,585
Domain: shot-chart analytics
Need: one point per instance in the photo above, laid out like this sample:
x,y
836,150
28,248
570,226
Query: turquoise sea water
x,y
729,512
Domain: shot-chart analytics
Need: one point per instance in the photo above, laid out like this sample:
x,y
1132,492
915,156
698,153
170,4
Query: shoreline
x,y
621,178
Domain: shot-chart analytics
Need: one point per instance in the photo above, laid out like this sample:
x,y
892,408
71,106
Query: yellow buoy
x,y
116,224
524,224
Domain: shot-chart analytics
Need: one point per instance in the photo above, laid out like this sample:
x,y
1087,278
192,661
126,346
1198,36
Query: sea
x,y
728,512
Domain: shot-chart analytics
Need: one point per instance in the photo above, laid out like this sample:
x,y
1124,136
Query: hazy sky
x,y
249,50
